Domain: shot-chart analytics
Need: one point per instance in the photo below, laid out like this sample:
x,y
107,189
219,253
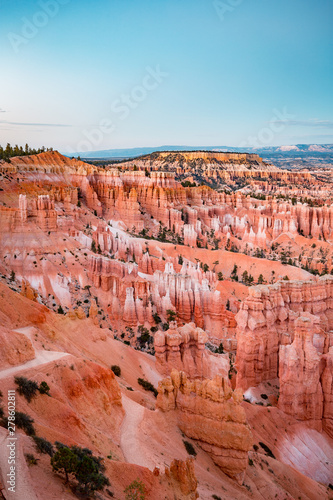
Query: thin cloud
x,y
2,110
312,122
24,124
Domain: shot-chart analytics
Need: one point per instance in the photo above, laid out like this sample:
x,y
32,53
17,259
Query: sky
x,y
80,75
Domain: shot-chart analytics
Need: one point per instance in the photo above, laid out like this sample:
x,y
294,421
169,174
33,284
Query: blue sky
x,y
89,75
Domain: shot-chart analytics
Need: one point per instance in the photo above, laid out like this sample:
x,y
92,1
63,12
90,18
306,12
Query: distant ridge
x,y
298,149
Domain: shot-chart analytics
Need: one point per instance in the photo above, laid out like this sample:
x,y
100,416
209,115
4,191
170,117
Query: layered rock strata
x,y
210,412
266,320
301,393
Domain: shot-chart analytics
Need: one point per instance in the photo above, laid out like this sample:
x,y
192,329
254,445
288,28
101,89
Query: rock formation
x,y
301,393
183,473
183,349
210,412
16,348
283,331
266,320
327,387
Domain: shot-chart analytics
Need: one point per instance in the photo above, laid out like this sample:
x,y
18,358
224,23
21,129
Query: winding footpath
x,y
129,439
24,488
41,357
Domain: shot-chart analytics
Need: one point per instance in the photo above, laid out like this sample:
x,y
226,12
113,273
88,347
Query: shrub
x,y
266,449
250,461
144,335
219,349
24,422
116,370
260,279
27,388
64,460
171,315
43,446
80,463
147,386
189,448
264,396
216,497
31,460
60,310
156,318
44,388
135,491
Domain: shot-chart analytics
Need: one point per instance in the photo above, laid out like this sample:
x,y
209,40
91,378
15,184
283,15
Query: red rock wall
x,y
210,412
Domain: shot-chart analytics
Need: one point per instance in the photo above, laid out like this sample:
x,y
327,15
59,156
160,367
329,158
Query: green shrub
x,y
156,318
147,386
27,388
219,349
24,422
31,460
44,388
189,448
43,446
171,315
135,491
116,370
83,465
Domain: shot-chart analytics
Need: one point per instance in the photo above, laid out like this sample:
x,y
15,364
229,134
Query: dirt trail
x,y
41,357
24,489
129,441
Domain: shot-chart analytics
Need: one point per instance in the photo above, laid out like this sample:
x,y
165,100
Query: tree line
x,y
10,151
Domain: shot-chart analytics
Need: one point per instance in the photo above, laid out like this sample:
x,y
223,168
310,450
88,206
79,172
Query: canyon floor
x,y
180,309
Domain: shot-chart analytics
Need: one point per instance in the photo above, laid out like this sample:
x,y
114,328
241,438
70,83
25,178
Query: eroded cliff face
x,y
284,331
184,349
266,320
136,296
327,387
209,411
301,394
152,202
